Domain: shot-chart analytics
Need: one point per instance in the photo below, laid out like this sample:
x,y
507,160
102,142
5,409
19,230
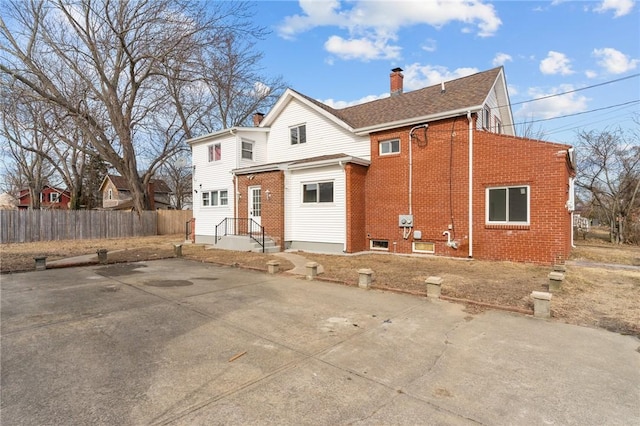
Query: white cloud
x,y
556,63
361,48
614,61
343,104
551,107
417,76
590,74
430,45
620,7
376,23
501,59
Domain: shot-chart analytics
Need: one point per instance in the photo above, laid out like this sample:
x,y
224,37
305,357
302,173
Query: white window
x,y
424,247
508,205
247,150
390,147
54,197
486,117
215,198
298,134
379,245
317,192
498,125
215,152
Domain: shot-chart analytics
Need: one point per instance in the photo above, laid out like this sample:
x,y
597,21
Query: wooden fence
x,y
49,225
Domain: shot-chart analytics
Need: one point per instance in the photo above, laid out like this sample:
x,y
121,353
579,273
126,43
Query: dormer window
x,y
298,134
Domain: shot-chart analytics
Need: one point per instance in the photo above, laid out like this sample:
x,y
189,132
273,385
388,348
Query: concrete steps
x,y
244,243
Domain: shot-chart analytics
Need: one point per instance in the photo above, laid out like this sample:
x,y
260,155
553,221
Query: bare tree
x,y
103,64
609,169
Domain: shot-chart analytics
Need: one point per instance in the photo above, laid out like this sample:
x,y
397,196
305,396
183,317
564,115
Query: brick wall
x,y
272,215
440,192
356,207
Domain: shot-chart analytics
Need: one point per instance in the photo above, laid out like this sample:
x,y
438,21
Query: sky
x,y
341,53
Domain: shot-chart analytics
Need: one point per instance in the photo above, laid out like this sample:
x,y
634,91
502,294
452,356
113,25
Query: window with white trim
x,y
247,150
54,197
298,134
498,126
390,147
215,152
508,205
110,194
486,117
317,192
215,198
379,245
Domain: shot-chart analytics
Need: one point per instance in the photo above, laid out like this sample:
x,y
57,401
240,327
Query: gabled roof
x,y
121,184
460,95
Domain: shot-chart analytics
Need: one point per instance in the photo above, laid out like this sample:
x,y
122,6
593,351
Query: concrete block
x,y
434,285
560,267
273,266
102,255
41,263
541,304
555,281
365,278
177,250
312,270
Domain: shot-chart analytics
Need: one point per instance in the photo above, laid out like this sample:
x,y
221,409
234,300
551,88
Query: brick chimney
x,y
257,118
396,81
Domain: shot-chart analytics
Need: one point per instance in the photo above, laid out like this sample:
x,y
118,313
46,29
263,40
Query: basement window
x,y
507,205
424,247
379,245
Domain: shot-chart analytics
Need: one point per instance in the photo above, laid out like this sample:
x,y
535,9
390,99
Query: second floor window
x,y
215,152
298,134
54,197
247,150
390,147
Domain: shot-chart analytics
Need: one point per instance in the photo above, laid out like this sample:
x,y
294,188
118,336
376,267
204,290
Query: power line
x,y
580,113
577,90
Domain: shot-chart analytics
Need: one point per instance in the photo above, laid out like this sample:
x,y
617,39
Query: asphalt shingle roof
x,y
459,93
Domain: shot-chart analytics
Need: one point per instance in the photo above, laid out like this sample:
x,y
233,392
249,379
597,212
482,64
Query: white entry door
x,y
255,203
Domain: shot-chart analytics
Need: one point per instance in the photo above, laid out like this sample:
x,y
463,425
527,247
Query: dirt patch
x,y
590,296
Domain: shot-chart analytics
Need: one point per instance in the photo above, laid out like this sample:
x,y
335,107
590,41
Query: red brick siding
x,y
272,215
356,207
440,192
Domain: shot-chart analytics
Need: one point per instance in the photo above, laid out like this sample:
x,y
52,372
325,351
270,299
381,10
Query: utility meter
x,y
405,221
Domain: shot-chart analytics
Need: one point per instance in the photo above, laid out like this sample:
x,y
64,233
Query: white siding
x,y
324,137
212,176
315,222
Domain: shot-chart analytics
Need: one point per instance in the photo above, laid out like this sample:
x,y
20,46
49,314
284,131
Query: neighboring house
x,y
116,194
437,170
50,198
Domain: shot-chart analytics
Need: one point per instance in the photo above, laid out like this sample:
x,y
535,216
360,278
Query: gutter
x,y
363,131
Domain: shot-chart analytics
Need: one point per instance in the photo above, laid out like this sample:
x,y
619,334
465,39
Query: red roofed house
x,y
437,170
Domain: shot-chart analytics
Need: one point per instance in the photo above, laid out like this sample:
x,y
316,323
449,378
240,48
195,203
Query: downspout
x,y
404,233
236,195
346,195
470,183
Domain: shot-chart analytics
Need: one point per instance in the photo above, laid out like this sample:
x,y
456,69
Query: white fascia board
x,y
225,132
331,162
287,97
261,168
363,131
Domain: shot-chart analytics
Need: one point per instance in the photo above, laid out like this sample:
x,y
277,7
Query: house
x,y
50,198
116,194
434,171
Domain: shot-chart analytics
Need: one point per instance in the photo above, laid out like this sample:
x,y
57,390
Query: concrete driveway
x,y
181,342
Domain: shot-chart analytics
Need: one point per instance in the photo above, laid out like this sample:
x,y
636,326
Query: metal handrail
x,y
240,226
